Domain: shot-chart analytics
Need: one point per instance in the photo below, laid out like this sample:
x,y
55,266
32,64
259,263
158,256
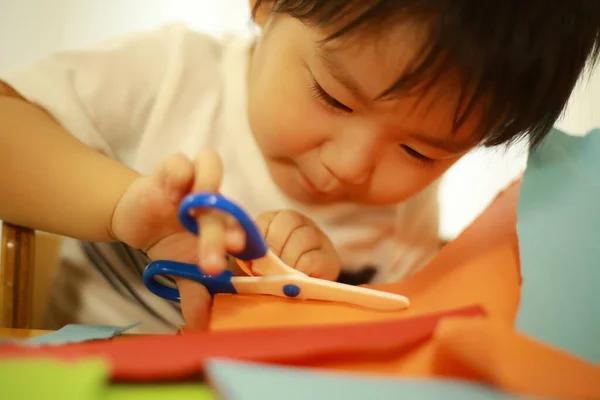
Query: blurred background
x,y
32,28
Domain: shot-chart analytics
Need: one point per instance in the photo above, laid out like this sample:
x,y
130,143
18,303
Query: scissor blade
x,y
305,287
320,289
270,264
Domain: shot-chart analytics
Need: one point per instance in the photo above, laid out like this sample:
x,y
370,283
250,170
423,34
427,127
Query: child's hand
x,y
300,243
146,218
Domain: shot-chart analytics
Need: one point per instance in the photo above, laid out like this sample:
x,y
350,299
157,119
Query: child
x,y
342,114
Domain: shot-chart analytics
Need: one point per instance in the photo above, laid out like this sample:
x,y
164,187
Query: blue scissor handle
x,y
256,246
214,284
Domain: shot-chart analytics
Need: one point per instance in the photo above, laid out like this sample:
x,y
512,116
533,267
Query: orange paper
x,y
480,267
496,354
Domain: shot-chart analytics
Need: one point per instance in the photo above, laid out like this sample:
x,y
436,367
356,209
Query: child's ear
x,y
261,12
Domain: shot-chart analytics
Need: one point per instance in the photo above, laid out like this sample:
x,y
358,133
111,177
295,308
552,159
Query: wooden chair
x,y
17,270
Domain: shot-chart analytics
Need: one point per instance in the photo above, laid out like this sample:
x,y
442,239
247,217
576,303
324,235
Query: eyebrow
x,y
341,75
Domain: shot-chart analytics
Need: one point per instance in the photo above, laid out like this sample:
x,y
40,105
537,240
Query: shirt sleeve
x,y
102,95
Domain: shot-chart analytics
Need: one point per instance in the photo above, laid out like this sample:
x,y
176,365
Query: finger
x,y
195,303
281,227
300,243
301,240
264,220
235,236
212,249
220,234
307,250
209,171
211,223
176,176
321,263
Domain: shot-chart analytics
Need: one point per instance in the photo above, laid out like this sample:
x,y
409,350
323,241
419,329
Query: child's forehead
x,y
377,39
394,52
383,65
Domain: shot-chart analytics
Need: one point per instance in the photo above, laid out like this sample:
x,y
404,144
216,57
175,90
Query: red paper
x,y
171,357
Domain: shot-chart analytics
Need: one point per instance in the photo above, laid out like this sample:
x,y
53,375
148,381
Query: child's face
x,y
338,144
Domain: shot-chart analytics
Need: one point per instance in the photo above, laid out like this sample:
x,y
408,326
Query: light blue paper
x,y
245,381
74,333
559,244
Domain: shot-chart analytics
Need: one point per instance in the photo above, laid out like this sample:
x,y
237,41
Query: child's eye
x,y
320,94
416,155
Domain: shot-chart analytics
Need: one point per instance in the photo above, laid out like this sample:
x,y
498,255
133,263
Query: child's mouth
x,y
309,186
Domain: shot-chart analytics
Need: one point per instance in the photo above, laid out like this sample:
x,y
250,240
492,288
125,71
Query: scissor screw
x,y
291,290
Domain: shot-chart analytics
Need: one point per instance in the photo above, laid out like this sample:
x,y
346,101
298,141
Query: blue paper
x,y
245,381
559,244
74,333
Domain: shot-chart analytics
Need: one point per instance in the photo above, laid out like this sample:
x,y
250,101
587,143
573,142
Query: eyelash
x,y
417,156
320,94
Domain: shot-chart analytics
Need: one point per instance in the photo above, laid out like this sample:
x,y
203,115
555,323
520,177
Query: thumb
x,y
195,303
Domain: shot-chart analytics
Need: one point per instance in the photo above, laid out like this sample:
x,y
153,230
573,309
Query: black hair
x,y
521,59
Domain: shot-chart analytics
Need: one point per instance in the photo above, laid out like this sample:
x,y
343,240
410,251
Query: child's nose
x,y
351,159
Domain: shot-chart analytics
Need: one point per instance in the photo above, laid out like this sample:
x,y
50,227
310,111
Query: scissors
x,y
267,273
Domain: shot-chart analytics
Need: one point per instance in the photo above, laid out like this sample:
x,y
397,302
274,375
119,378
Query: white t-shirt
x,y
145,96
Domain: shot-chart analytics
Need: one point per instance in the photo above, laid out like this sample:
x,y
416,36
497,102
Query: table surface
x,y
21,333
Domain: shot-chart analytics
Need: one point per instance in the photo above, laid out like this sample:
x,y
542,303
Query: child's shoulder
x,y
174,47
169,37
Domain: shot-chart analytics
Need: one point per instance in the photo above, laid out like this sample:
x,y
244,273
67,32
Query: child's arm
x,y
51,181
74,124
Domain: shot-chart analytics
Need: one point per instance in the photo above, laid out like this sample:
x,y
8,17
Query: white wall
x,y
583,112
31,28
